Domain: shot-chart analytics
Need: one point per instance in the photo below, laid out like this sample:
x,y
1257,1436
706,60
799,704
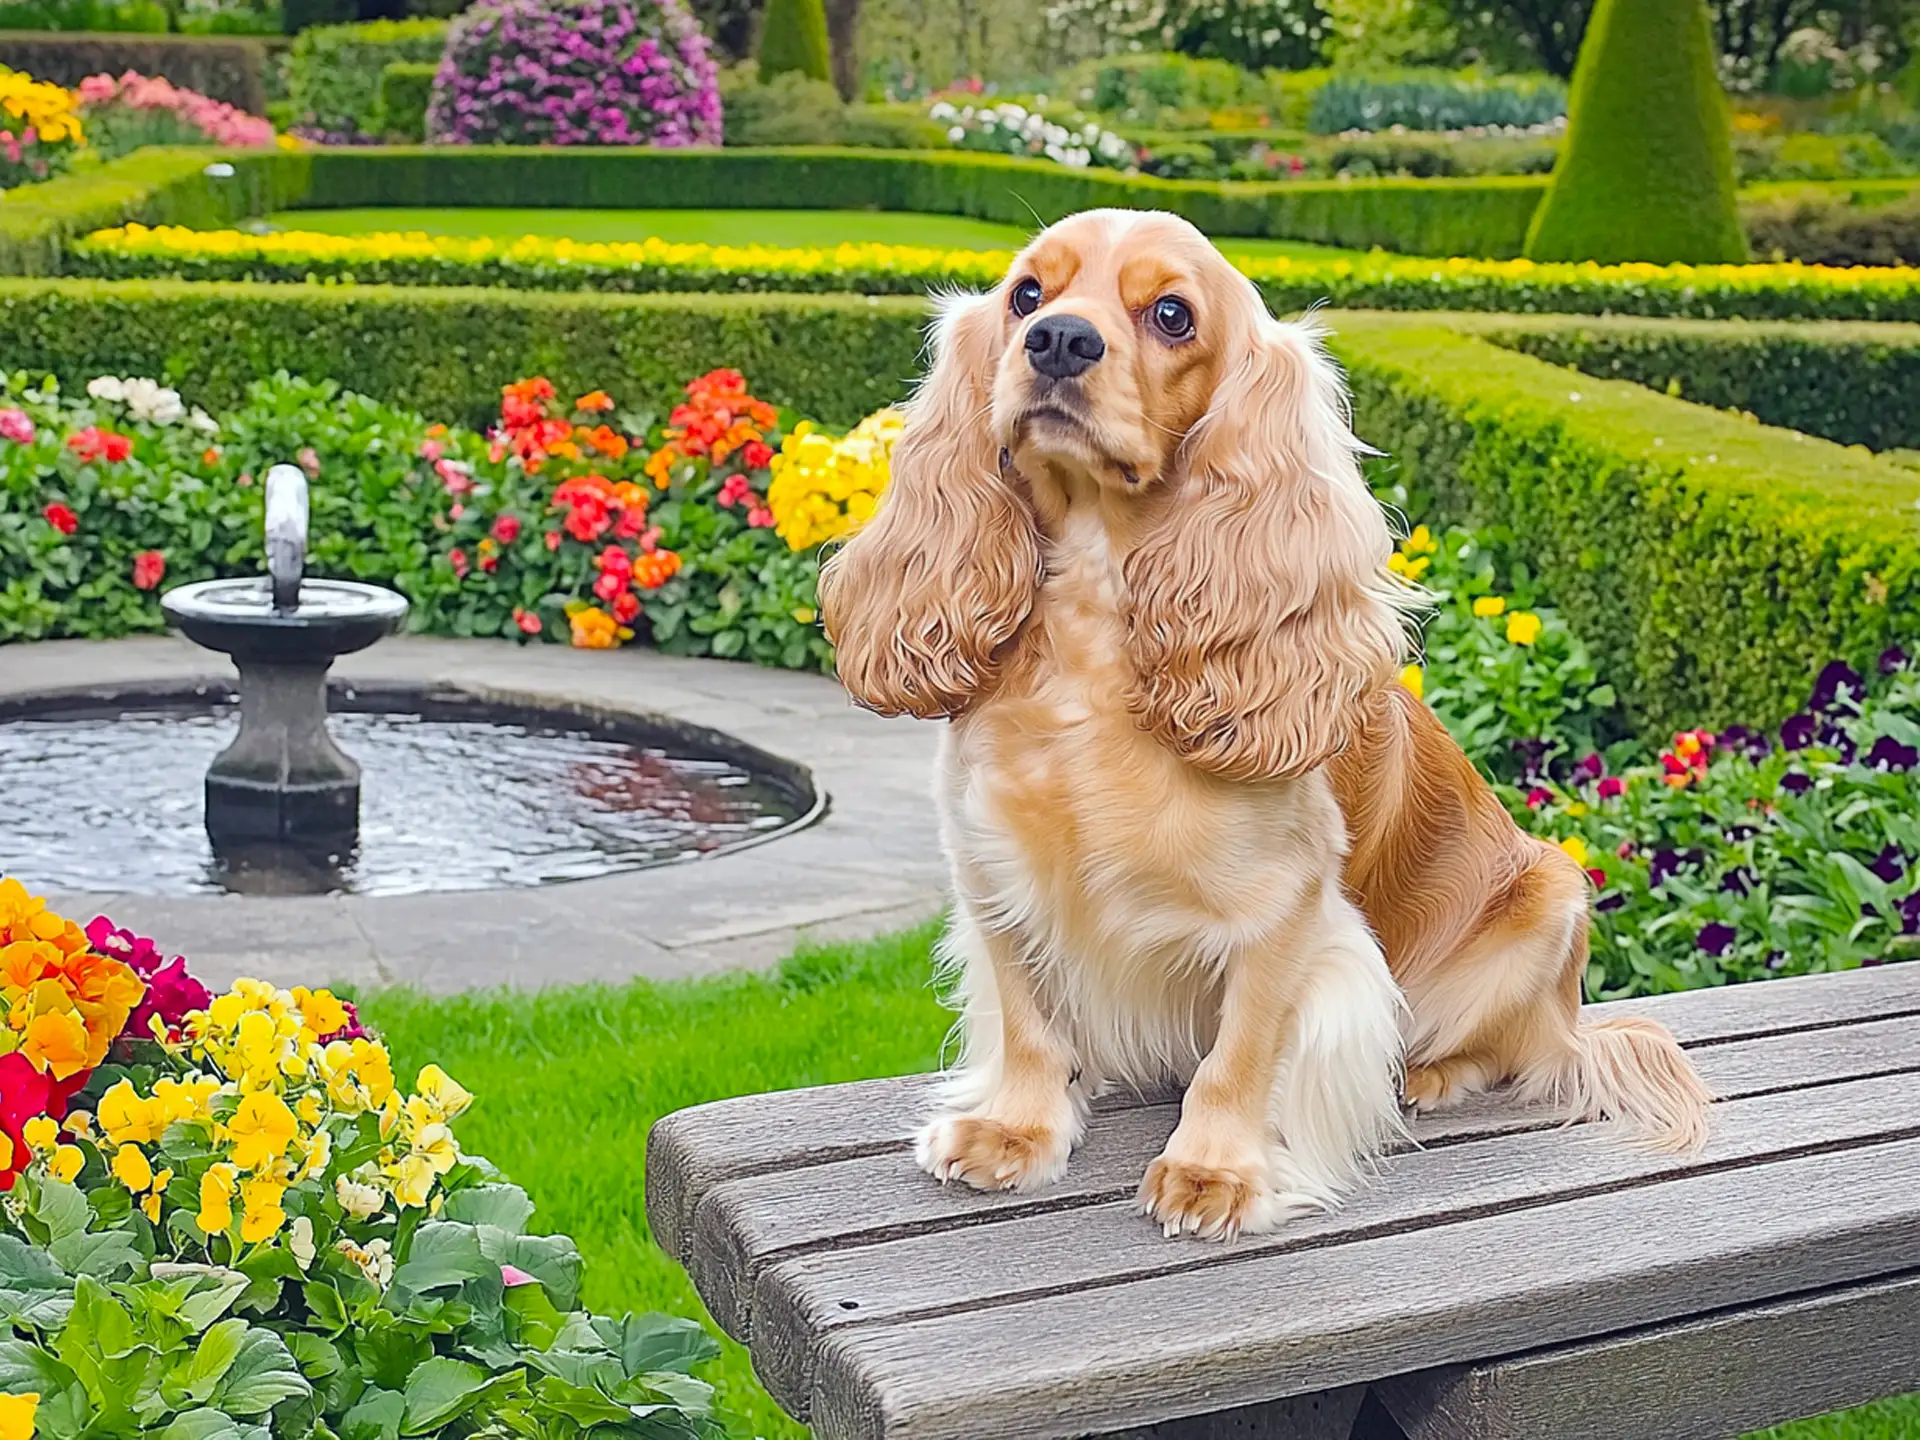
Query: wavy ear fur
x,y
919,603
1260,608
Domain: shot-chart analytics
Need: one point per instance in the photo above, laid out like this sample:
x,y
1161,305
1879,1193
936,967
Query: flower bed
x,y
1372,282
566,521
126,114
39,131
224,1217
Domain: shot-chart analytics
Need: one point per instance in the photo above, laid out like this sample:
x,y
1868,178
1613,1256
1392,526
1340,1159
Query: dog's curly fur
x,y
1192,817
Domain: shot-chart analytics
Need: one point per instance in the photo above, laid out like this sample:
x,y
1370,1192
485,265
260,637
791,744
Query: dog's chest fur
x,y
1130,877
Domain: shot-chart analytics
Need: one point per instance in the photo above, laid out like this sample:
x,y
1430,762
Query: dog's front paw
x,y
1215,1202
991,1155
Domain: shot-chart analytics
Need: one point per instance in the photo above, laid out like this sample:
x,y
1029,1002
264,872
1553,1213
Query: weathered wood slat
x,y
691,1152
1306,1321
1698,1380
801,1302
743,1225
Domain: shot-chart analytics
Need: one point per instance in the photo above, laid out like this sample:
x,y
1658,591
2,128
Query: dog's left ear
x,y
1261,610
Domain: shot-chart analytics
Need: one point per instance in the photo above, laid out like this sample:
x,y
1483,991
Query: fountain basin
x,y
238,618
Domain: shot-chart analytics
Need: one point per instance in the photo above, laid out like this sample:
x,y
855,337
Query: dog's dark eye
x,y
1172,317
1026,297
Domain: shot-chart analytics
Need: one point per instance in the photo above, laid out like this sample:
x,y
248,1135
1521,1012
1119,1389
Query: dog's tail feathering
x,y
1634,1072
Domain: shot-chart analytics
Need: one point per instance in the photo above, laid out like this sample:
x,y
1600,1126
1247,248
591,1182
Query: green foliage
x,y
169,186
793,38
1647,169
1710,564
1853,384
334,71
1434,100
131,17
405,88
448,352
230,68
794,109
1828,228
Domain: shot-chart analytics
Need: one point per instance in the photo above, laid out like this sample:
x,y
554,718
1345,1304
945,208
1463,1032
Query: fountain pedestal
x,y
283,778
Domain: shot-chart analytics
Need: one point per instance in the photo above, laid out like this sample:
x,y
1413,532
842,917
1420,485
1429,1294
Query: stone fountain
x,y
283,779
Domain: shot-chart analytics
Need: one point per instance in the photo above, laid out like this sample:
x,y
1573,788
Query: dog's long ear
x,y
919,603
1261,612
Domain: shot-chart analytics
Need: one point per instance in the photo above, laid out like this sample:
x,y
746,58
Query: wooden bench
x,y
1510,1278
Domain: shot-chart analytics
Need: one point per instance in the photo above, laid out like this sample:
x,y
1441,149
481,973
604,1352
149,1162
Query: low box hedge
x,y
1855,384
174,185
233,68
1712,563
447,352
637,267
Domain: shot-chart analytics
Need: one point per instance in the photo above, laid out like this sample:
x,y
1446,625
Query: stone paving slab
x,y
870,865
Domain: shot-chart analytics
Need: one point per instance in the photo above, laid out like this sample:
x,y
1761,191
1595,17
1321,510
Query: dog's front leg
x,y
1300,1088
1013,1117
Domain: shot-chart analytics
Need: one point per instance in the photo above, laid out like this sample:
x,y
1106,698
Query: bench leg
x,y
1375,1421
1326,1416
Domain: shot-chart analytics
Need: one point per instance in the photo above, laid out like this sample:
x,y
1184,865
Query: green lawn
x,y
569,1080
718,227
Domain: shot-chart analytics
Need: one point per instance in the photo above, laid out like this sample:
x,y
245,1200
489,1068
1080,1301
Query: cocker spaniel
x,y
1198,830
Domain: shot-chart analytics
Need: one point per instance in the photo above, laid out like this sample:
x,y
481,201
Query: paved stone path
x,y
871,865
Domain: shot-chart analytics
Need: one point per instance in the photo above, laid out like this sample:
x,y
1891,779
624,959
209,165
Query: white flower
x,y
300,1241
151,401
203,422
942,111
375,1261
107,387
957,134
356,1199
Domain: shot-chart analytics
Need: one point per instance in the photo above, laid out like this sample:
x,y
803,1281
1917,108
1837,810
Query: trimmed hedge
x,y
159,185
1375,281
1854,384
1712,564
1485,216
405,88
233,68
334,71
448,352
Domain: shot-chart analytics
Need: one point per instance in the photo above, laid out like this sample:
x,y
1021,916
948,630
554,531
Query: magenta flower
x,y
17,426
171,991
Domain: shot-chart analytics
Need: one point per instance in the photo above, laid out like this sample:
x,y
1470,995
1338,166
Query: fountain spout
x,y
286,534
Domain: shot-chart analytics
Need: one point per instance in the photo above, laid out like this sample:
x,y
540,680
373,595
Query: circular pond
x,y
457,793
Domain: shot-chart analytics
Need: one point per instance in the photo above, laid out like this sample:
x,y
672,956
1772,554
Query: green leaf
x,y
214,1357
584,1406
202,1424
102,1254
376,1417
329,1310
261,1376
265,1269
25,1366
318,1357
553,1260
443,1253
61,1208
647,1343
536,1320
438,1391
506,1207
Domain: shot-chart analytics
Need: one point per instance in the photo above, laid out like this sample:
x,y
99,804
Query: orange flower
x,y
594,400
594,629
58,1042
604,438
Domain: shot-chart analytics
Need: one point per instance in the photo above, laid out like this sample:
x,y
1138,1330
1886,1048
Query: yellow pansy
x,y
40,1133
1576,847
1523,627
132,1168
16,1415
126,1118
80,1123
183,1099
323,1014
217,1189
1420,542
6,1151
1488,606
444,1095
150,1206
66,1163
1412,569
412,1178
1415,679
261,1214
260,1130
309,1108
317,1149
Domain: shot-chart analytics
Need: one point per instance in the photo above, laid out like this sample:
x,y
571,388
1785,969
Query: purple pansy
x,y
1796,783
1716,938
1888,753
1838,687
1741,740
1890,864
1799,732
1891,659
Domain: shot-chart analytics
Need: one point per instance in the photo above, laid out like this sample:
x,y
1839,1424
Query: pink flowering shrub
x,y
576,72
124,114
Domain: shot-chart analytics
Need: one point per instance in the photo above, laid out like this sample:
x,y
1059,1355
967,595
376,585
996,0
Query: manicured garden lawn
x,y
718,227
569,1080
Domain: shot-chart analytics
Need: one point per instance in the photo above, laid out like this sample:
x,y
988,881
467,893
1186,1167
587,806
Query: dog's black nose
x,y
1062,346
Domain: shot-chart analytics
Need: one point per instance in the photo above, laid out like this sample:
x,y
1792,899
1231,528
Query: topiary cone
x,y
795,38
1646,172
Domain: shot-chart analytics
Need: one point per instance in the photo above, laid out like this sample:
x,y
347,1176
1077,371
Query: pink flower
x,y
1539,796
1612,787
171,991
17,426
506,529
431,450
458,559
149,568
512,1276
760,518
734,491
456,477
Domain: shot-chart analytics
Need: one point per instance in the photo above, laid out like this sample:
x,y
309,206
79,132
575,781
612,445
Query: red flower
x,y
528,622
93,443
760,518
1597,876
1538,796
458,559
1612,787
149,568
25,1093
626,605
610,585
588,519
615,561
506,529
489,563
757,455
734,491
61,518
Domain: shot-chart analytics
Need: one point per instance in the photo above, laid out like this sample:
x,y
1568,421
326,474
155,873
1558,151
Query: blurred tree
x,y
794,37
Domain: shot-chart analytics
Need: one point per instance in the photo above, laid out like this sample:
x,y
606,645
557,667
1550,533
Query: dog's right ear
x,y
920,602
